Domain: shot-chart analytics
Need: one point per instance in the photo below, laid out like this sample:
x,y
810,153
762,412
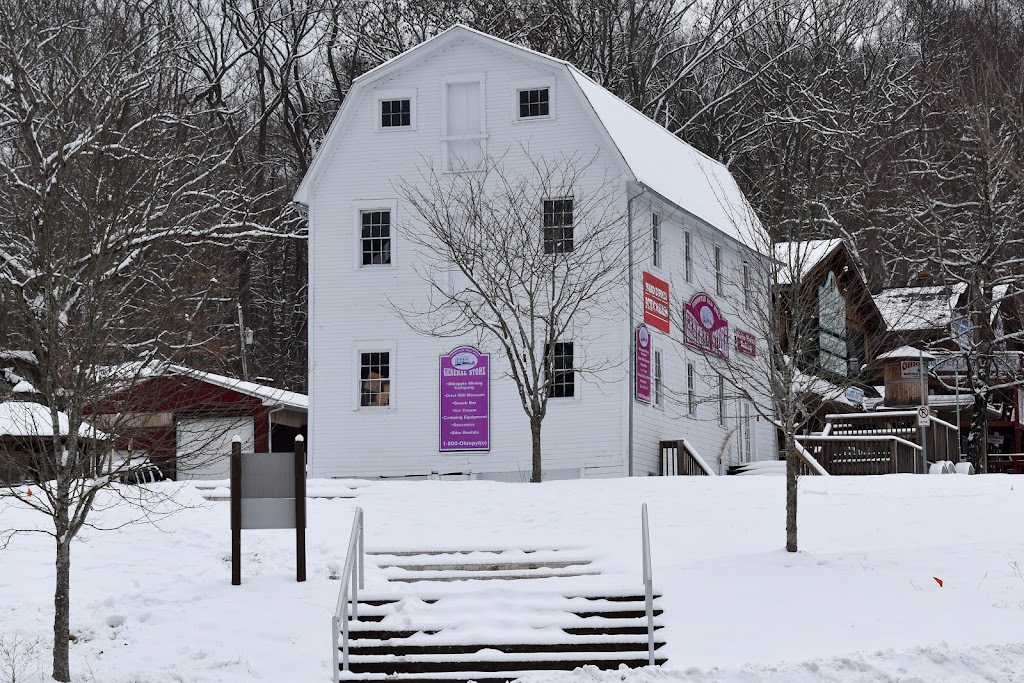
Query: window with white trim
x,y
374,379
656,239
562,378
691,389
748,435
688,256
719,285
721,400
557,225
658,380
746,284
375,237
395,113
534,103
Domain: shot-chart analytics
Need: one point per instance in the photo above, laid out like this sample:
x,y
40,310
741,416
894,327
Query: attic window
x,y
395,113
534,103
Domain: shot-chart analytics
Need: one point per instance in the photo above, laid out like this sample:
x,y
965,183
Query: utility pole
x,y
241,345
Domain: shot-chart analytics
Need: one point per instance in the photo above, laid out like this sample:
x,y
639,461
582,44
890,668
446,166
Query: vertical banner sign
x,y
643,364
705,328
656,303
465,406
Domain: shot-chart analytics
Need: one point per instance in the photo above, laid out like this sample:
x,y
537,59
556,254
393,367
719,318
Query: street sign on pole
x,y
924,416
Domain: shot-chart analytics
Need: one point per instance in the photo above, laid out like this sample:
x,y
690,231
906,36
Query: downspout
x,y
632,324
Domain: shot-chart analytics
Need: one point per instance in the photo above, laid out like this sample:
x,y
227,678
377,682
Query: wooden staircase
x,y
494,616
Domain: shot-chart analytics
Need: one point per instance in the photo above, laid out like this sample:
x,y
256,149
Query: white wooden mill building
x,y
694,233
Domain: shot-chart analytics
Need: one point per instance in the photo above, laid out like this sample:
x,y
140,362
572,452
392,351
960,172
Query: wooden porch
x,y
883,442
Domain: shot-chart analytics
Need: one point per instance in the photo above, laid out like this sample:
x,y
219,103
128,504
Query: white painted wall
x,y
351,309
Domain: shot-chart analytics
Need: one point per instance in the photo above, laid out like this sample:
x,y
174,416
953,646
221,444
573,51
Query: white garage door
x,y
204,444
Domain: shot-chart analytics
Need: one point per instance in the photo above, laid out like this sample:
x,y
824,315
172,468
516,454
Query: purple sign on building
x,y
643,364
465,407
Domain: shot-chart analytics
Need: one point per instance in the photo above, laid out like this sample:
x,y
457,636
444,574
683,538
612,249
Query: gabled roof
x,y
270,396
919,308
653,157
800,258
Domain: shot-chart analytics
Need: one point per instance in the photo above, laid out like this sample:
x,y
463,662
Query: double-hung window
x,y
691,390
656,239
687,256
659,398
719,284
557,225
746,285
375,237
559,363
374,379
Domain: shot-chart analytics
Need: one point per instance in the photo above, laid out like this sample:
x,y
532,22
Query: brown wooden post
x,y
236,512
300,508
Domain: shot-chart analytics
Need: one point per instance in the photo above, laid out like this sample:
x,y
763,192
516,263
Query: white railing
x,y
352,580
648,584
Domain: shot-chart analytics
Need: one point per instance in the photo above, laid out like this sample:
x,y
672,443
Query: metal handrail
x,y
352,580
648,584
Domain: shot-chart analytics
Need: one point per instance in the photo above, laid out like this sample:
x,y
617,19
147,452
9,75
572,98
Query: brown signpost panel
x,y
268,491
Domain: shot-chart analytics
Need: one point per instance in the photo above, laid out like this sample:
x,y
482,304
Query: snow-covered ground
x,y
859,603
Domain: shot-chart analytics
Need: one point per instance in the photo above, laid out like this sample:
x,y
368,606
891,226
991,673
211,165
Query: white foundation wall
x,y
719,442
351,306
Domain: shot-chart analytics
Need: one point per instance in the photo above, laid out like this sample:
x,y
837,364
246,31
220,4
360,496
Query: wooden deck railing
x,y
678,458
868,454
942,438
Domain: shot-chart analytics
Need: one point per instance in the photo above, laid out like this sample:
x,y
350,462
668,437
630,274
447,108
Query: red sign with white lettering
x,y
656,303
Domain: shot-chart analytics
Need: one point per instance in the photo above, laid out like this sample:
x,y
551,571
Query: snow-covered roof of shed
x,y
919,308
270,396
799,258
905,352
27,418
655,157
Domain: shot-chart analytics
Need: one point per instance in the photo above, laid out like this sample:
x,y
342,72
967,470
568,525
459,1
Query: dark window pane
x,y
533,103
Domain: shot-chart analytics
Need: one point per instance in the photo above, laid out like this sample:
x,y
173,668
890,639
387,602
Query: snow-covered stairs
x,y
492,616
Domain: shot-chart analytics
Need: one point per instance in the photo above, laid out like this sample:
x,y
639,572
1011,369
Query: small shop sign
x,y
746,344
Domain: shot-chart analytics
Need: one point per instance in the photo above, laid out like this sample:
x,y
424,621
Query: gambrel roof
x,y
651,155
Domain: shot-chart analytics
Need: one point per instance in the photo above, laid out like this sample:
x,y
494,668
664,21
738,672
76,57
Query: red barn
x,y
184,420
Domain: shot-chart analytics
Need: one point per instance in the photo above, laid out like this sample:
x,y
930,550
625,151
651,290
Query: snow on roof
x,y
270,396
674,169
27,418
23,387
904,352
19,355
804,383
919,308
799,258
656,158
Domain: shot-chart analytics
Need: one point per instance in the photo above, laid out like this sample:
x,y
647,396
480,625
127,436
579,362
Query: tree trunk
x,y
792,470
535,438
977,438
62,611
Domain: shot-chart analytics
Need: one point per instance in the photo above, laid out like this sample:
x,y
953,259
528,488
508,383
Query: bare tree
x,y
972,204
522,257
114,182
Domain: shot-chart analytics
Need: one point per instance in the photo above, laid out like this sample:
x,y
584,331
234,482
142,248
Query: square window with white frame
x,y
374,379
534,103
562,380
558,225
395,113
375,237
